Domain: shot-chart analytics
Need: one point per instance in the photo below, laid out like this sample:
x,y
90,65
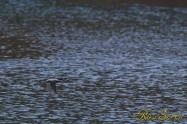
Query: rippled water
x,y
113,62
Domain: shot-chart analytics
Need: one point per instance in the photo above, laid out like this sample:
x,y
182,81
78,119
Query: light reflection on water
x,y
113,63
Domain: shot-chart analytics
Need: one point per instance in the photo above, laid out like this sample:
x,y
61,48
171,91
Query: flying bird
x,y
50,85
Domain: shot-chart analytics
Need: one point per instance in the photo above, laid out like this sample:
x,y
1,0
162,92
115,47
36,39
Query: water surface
x,y
114,62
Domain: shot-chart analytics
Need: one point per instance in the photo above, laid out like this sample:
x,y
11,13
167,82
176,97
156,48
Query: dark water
x,y
114,62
